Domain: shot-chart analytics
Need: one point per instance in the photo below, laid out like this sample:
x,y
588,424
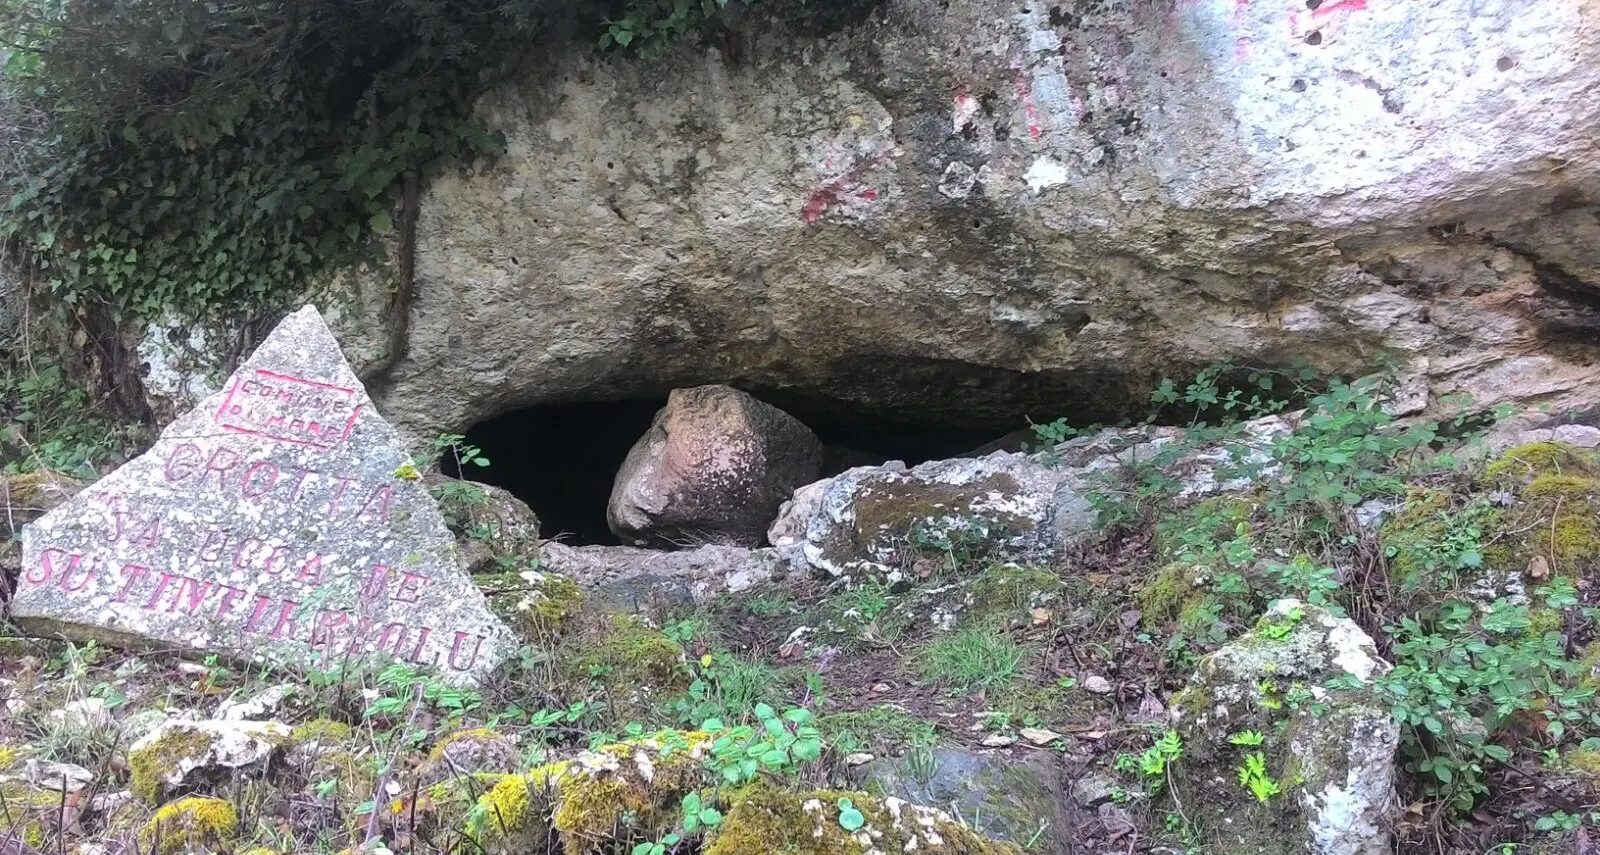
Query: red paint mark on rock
x,y
842,189
1327,9
1025,95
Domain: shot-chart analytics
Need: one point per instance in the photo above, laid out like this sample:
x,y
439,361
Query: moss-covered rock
x,y
1557,513
176,753
625,791
469,751
633,660
1286,747
194,824
764,819
28,812
539,606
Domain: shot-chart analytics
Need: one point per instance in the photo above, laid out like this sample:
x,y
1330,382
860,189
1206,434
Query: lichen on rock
x,y
1285,741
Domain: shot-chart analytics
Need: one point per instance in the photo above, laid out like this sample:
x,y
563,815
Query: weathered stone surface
x,y
1020,799
623,576
279,520
713,468
1335,764
969,210
875,520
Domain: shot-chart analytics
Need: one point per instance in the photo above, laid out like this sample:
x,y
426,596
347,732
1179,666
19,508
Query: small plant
x,y
697,815
1152,765
738,754
850,819
1253,775
1247,737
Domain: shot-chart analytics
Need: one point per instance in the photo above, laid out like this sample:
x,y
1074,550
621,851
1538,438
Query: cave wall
x,y
962,210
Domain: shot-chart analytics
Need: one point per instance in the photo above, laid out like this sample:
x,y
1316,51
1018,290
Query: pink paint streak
x,y
1327,9
1025,95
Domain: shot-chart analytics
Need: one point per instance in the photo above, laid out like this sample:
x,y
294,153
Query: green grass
x,y
972,658
771,605
880,730
867,601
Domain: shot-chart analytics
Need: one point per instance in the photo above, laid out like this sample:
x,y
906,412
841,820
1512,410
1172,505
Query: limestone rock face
x,y
280,521
970,210
1327,749
714,467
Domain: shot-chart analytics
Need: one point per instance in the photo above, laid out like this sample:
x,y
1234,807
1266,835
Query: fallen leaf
x,y
1039,735
791,650
1131,618
1097,684
996,740
1041,616
860,758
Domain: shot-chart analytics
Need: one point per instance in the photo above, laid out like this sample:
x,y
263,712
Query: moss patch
x,y
630,658
149,766
191,825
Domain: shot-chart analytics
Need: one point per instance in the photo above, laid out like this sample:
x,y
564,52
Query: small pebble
x,y
1097,684
996,740
860,758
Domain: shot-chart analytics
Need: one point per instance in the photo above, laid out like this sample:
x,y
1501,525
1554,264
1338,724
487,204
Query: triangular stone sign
x,y
278,520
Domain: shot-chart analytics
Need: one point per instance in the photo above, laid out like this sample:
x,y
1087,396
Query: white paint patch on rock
x,y
1044,173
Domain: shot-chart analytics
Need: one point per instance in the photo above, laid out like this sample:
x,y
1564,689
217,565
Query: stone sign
x,y
279,520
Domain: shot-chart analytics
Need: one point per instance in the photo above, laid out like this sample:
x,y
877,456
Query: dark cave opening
x,y
561,459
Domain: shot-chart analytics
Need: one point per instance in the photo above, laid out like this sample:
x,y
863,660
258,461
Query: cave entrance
x,y
561,458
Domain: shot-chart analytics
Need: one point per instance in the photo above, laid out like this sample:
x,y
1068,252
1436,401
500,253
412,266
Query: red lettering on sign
x,y
155,596
422,641
338,494
286,621
41,575
114,531
327,623
410,589
290,409
382,494
377,583
194,590
183,462
65,582
255,469
455,651
228,458
255,617
311,571
228,599
132,573
299,483
150,536
393,638
211,547
242,553
272,559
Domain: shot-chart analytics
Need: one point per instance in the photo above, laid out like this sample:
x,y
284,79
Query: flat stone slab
x,y
279,520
